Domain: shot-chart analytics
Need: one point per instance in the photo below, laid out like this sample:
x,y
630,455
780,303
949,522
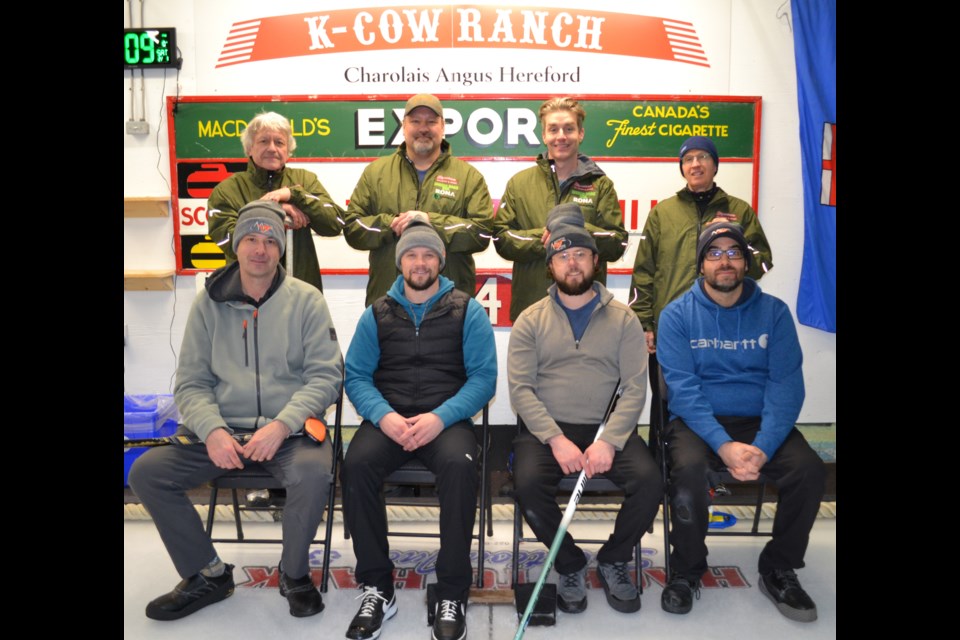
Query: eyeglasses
x,y
701,157
579,255
716,254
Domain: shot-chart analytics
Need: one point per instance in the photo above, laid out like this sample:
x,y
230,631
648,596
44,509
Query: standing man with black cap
x,y
421,364
568,353
562,175
666,262
421,181
259,356
733,367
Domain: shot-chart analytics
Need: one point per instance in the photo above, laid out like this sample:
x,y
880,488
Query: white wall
x,y
753,56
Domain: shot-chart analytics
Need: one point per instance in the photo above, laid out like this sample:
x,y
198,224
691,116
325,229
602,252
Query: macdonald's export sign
x,y
461,27
625,127
341,134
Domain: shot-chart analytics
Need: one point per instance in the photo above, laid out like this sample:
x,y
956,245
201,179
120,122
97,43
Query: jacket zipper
x,y
256,356
246,349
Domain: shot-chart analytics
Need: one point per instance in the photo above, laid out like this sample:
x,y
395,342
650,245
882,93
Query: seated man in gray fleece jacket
x,y
259,357
568,353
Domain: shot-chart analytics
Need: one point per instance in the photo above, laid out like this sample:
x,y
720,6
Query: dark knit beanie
x,y
722,230
699,142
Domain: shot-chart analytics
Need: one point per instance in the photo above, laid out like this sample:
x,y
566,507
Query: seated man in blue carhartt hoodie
x,y
732,364
421,364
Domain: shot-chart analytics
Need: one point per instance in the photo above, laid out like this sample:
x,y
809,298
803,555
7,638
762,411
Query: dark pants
x,y
162,476
452,456
796,470
536,475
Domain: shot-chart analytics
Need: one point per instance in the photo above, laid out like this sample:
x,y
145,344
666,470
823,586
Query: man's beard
x,y
426,284
725,288
575,289
424,146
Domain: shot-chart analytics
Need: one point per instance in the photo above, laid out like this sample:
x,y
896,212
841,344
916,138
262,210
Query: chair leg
x,y
236,514
328,539
212,510
666,535
759,508
637,555
517,534
481,537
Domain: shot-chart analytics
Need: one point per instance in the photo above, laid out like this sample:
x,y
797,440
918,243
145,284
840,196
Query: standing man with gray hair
x,y
421,364
268,143
568,353
562,175
421,181
259,357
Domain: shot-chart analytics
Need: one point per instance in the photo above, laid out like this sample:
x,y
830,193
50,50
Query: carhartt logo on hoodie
x,y
747,344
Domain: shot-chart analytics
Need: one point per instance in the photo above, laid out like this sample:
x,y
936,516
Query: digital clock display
x,y
149,48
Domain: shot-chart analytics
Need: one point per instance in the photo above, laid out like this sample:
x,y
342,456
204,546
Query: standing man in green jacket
x,y
666,263
422,181
268,143
562,175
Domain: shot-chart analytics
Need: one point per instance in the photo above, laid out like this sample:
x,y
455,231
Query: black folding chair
x,y
718,478
255,477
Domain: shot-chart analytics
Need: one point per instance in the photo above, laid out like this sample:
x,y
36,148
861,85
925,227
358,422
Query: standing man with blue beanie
x,y
665,265
733,367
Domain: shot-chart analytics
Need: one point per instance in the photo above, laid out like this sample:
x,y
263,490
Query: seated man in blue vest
x,y
421,364
733,368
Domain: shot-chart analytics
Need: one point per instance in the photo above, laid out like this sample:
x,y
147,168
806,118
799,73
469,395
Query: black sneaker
x,y
374,609
622,595
450,621
677,596
783,588
302,595
192,594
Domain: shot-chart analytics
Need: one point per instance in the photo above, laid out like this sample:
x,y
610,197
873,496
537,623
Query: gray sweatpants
x,y
162,476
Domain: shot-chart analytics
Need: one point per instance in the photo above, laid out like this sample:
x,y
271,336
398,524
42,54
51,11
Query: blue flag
x,y
815,44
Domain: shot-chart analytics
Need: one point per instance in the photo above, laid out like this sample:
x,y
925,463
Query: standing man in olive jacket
x,y
561,175
422,181
666,263
268,142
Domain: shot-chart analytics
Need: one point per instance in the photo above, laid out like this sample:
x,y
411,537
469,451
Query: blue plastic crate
x,y
146,416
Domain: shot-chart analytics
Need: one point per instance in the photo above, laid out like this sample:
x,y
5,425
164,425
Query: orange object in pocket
x,y
315,429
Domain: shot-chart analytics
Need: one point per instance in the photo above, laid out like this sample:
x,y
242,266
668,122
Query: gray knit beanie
x,y
566,213
420,234
261,216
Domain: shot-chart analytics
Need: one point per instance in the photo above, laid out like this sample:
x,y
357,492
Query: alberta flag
x,y
815,44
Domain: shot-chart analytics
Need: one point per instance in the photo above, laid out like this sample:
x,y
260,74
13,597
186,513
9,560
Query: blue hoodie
x,y
479,359
743,360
